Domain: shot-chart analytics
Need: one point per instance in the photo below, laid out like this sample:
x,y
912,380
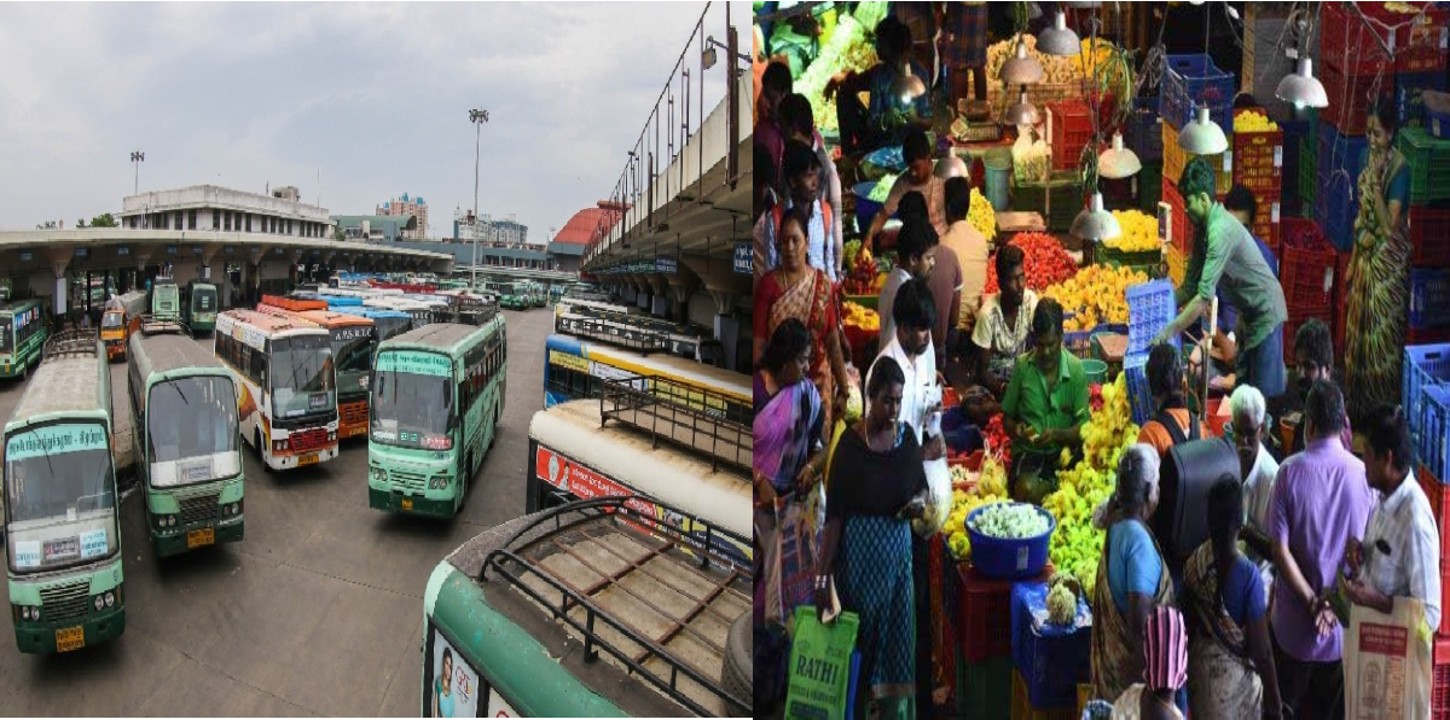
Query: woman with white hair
x,y
1258,468
1132,575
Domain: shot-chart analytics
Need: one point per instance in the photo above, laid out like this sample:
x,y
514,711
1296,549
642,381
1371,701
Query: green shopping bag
x,y
820,665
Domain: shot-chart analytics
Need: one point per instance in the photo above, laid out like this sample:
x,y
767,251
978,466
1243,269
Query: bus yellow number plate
x,y
407,503
198,538
71,638
308,459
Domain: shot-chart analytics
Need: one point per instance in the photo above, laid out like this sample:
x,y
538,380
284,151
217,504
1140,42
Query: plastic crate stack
x,y
1341,158
985,667
1425,395
1173,224
1050,661
1151,308
1409,95
1189,82
1258,165
1065,191
1299,167
1308,272
1071,130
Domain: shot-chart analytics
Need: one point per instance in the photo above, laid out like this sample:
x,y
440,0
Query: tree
x,y
104,220
47,225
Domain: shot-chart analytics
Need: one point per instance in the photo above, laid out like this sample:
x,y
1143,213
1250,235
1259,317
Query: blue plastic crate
x,y
1429,294
1409,103
1140,398
1191,80
1432,442
1336,204
1142,134
1424,366
1052,660
1340,152
1151,308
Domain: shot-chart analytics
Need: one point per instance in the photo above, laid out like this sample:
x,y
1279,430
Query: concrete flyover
x,y
40,261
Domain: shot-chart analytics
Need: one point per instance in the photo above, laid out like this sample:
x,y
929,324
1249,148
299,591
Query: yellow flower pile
x,y
991,487
982,216
1097,294
1058,70
1140,232
1077,546
862,317
1254,121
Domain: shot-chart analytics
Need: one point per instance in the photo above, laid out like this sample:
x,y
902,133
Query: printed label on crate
x,y
1278,156
1328,279
1274,212
1228,161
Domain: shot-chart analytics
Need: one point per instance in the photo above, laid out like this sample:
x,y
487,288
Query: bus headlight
x,y
110,599
379,474
100,603
171,521
438,482
331,435
279,445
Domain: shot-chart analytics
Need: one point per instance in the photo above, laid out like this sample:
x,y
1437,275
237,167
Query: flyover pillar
x,y
59,259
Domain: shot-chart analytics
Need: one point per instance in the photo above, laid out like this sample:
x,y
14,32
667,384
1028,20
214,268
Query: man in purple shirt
x,y
1321,499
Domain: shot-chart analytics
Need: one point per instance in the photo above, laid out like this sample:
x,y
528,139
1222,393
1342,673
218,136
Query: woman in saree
x,y
877,486
1132,575
787,462
1231,670
1378,298
796,290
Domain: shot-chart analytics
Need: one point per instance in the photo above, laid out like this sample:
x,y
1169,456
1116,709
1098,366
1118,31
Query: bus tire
x,y
738,671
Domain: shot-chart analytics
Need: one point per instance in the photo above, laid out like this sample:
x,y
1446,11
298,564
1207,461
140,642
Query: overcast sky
x,y
375,95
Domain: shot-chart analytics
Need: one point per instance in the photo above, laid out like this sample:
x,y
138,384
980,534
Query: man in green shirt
x,y
1045,405
1234,264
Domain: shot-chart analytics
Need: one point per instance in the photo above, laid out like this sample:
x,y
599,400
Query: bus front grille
x,y
65,602
412,482
354,413
198,509
304,440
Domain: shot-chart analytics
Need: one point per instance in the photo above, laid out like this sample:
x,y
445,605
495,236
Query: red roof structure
x,y
590,224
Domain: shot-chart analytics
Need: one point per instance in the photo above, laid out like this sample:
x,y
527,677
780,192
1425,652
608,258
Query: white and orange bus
x,y
353,346
286,386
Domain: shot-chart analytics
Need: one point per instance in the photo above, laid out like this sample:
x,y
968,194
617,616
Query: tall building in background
x,y
406,205
488,229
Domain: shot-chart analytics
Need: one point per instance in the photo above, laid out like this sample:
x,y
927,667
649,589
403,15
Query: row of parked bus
x,y
163,302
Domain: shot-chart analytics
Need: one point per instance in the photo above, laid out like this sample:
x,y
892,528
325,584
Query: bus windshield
x,y
353,349
390,326
113,320
203,299
412,401
57,481
302,376
202,448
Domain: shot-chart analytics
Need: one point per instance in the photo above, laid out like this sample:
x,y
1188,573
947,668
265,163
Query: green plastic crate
x,y
1429,159
986,688
1308,171
1150,187
1066,190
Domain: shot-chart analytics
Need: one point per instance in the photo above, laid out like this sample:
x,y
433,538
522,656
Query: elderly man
x,y
1259,470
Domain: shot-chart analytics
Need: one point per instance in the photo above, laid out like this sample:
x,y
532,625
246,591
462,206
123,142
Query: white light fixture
x,y
1302,88
1058,40
1022,112
1203,136
907,86
1095,222
1021,68
950,166
1118,162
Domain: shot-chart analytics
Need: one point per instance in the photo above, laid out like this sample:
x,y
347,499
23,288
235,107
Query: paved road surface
x,y
317,612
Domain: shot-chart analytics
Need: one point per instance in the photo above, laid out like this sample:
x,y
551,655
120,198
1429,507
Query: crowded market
x,y
1098,371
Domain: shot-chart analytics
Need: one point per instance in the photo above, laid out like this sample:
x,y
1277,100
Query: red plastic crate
x,y
1349,98
1439,505
1427,337
1258,159
945,592
1181,234
1269,218
1307,272
1341,303
1350,45
1072,130
1430,236
986,613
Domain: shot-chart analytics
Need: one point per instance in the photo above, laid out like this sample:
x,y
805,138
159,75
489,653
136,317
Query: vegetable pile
x,y
1010,521
982,216
1140,232
1061,604
1046,263
1097,294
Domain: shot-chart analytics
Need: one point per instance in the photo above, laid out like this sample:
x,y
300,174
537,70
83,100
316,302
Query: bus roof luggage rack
x,y
681,413
81,342
587,534
152,326
625,335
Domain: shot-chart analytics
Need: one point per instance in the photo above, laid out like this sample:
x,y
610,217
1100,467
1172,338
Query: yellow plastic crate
x,y
1174,159
1177,265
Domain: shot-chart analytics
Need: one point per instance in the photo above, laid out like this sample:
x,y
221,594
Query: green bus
x,y
166,301
598,608
23,332
62,536
191,471
199,310
437,395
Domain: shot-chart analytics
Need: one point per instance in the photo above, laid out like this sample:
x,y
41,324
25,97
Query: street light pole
x,y
137,158
478,117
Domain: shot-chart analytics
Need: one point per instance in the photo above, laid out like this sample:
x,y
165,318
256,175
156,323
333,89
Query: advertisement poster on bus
x,y
455,685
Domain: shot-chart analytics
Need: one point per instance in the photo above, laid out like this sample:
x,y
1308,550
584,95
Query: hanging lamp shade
x,y
1058,40
1095,223
1203,136
907,86
950,166
1021,68
1118,162
1302,88
1022,112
